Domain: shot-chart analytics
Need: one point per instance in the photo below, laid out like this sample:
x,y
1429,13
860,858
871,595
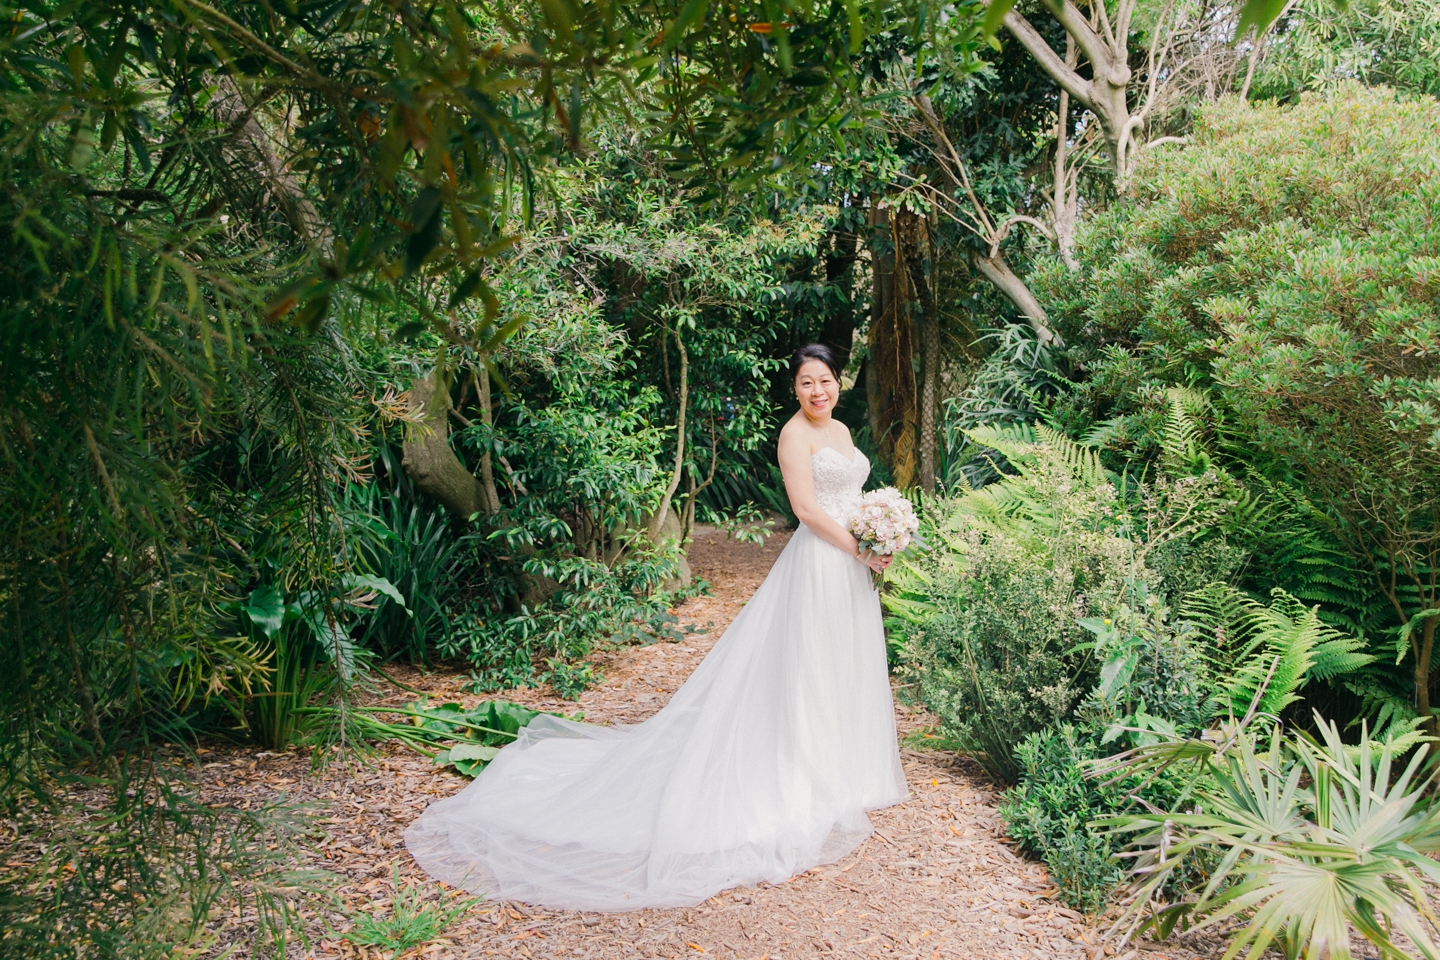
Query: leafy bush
x,y
307,645
1284,262
416,548
593,603
989,614
1050,810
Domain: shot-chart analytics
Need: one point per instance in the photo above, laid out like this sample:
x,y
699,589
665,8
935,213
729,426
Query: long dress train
x,y
761,766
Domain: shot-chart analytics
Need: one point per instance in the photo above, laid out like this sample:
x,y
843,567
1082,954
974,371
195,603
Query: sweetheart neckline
x,y
851,458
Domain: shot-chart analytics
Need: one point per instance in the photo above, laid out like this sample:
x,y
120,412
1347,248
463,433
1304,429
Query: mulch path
x,y
937,879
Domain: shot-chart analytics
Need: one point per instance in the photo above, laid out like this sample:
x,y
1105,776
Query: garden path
x,y
936,880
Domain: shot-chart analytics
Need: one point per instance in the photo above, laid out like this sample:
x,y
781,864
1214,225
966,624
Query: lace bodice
x,y
838,482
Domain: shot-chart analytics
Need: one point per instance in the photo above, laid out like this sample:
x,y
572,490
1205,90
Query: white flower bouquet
x,y
885,524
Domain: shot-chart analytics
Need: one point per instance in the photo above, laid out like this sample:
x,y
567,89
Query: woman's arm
x,y
794,456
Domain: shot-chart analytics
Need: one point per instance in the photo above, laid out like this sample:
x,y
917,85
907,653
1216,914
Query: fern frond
x,y
1013,441
1183,447
1083,462
1278,647
1102,433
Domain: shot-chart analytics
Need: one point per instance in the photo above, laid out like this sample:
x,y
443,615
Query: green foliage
x,y
467,738
307,640
141,878
1281,263
1153,680
571,680
414,547
1049,812
1374,41
1265,654
413,920
1018,376
1309,840
989,614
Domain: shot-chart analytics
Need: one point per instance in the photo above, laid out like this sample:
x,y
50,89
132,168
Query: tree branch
x,y
1051,62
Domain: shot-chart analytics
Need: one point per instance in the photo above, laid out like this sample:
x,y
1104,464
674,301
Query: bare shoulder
x,y
793,434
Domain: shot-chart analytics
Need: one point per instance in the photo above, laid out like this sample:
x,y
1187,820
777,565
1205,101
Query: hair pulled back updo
x,y
814,351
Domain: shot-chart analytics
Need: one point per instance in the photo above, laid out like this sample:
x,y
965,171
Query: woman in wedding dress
x,y
761,766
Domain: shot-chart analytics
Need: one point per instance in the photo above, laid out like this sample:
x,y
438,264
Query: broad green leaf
x,y
266,609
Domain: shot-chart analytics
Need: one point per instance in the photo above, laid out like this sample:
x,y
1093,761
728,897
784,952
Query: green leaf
x,y
1259,14
378,584
691,13
425,223
995,17
473,751
857,26
266,609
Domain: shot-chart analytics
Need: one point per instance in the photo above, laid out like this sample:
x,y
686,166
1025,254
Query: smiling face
x,y
817,390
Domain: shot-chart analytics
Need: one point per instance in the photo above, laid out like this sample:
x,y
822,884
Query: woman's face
x,y
817,389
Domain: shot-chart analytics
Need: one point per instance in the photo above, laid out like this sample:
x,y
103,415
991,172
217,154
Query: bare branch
x,y
1050,61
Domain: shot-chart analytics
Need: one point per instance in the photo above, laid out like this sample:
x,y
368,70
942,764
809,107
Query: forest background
x,y
344,332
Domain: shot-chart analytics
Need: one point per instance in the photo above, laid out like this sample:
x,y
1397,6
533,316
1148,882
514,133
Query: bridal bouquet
x,y
885,524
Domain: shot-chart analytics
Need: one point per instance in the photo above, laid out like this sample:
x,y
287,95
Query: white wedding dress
x,y
761,766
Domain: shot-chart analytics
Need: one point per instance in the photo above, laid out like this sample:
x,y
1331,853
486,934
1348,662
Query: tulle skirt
x,y
761,766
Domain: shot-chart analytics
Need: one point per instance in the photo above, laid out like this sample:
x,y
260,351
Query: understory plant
x,y
418,549
1050,810
1160,680
413,920
465,738
989,616
1304,840
306,642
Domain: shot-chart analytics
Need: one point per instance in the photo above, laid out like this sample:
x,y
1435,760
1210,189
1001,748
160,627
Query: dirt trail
x,y
934,881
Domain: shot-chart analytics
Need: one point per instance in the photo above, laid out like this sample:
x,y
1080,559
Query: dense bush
x,y
990,613
1051,809
1283,264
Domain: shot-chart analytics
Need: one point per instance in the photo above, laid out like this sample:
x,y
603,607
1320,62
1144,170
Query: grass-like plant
x,y
412,920
1304,840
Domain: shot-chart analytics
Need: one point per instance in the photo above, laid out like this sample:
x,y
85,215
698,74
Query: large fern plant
x,y
1265,654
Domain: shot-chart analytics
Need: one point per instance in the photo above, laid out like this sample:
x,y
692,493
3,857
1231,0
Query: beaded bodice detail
x,y
838,482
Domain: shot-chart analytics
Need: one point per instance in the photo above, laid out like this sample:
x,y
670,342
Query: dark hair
x,y
814,351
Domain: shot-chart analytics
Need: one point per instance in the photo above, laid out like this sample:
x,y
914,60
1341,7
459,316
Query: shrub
x,y
1286,262
1306,841
417,548
1049,812
990,613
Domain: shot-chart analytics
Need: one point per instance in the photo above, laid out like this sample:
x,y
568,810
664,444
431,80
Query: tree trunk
x,y
838,332
250,143
663,511
891,387
1064,199
426,451
910,242
1106,94
487,417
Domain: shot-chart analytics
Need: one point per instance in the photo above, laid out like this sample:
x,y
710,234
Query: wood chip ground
x,y
937,878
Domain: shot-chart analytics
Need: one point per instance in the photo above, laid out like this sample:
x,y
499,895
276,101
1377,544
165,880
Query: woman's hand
x,y
875,561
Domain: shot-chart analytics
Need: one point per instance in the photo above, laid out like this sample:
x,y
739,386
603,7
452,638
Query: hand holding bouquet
x,y
885,524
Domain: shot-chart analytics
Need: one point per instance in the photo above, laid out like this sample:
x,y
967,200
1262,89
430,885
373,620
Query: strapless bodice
x,y
838,482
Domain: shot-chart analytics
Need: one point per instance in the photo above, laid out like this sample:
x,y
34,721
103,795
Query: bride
x,y
761,766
